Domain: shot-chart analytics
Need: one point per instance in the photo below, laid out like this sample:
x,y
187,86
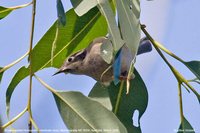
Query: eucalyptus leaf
x,y
194,67
129,21
83,6
107,51
18,77
76,35
185,127
61,13
137,99
1,74
106,10
100,93
4,12
83,114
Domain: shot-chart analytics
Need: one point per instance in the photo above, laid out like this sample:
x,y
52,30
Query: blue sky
x,y
173,23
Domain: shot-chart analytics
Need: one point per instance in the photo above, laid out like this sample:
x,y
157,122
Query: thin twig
x,y
158,50
168,52
180,103
107,69
119,97
196,80
186,87
54,44
35,125
13,63
31,71
14,119
21,6
178,76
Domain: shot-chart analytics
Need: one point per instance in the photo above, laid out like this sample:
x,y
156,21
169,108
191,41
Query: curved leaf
x,y
137,99
1,74
107,51
4,12
129,21
100,93
61,13
85,115
19,76
185,127
76,35
194,67
83,6
106,10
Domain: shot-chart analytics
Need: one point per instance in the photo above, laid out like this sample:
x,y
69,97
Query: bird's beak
x,y
59,71
62,70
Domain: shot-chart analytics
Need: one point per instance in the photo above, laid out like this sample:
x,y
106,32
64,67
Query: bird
x,y
89,61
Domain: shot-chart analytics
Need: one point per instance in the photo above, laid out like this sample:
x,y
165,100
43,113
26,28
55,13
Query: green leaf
x,y
83,6
107,51
76,35
194,67
100,93
137,99
19,76
83,114
61,13
106,10
4,12
129,21
1,74
185,127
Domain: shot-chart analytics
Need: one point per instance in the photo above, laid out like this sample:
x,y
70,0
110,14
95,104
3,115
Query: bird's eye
x,y
70,59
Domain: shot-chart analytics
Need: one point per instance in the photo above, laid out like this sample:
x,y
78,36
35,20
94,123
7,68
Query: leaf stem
x,y
180,103
168,52
194,80
46,85
13,63
31,71
54,44
21,6
186,87
119,97
35,125
157,44
14,119
15,7
159,52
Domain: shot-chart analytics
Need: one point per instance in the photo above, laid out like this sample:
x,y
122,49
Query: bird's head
x,y
74,63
